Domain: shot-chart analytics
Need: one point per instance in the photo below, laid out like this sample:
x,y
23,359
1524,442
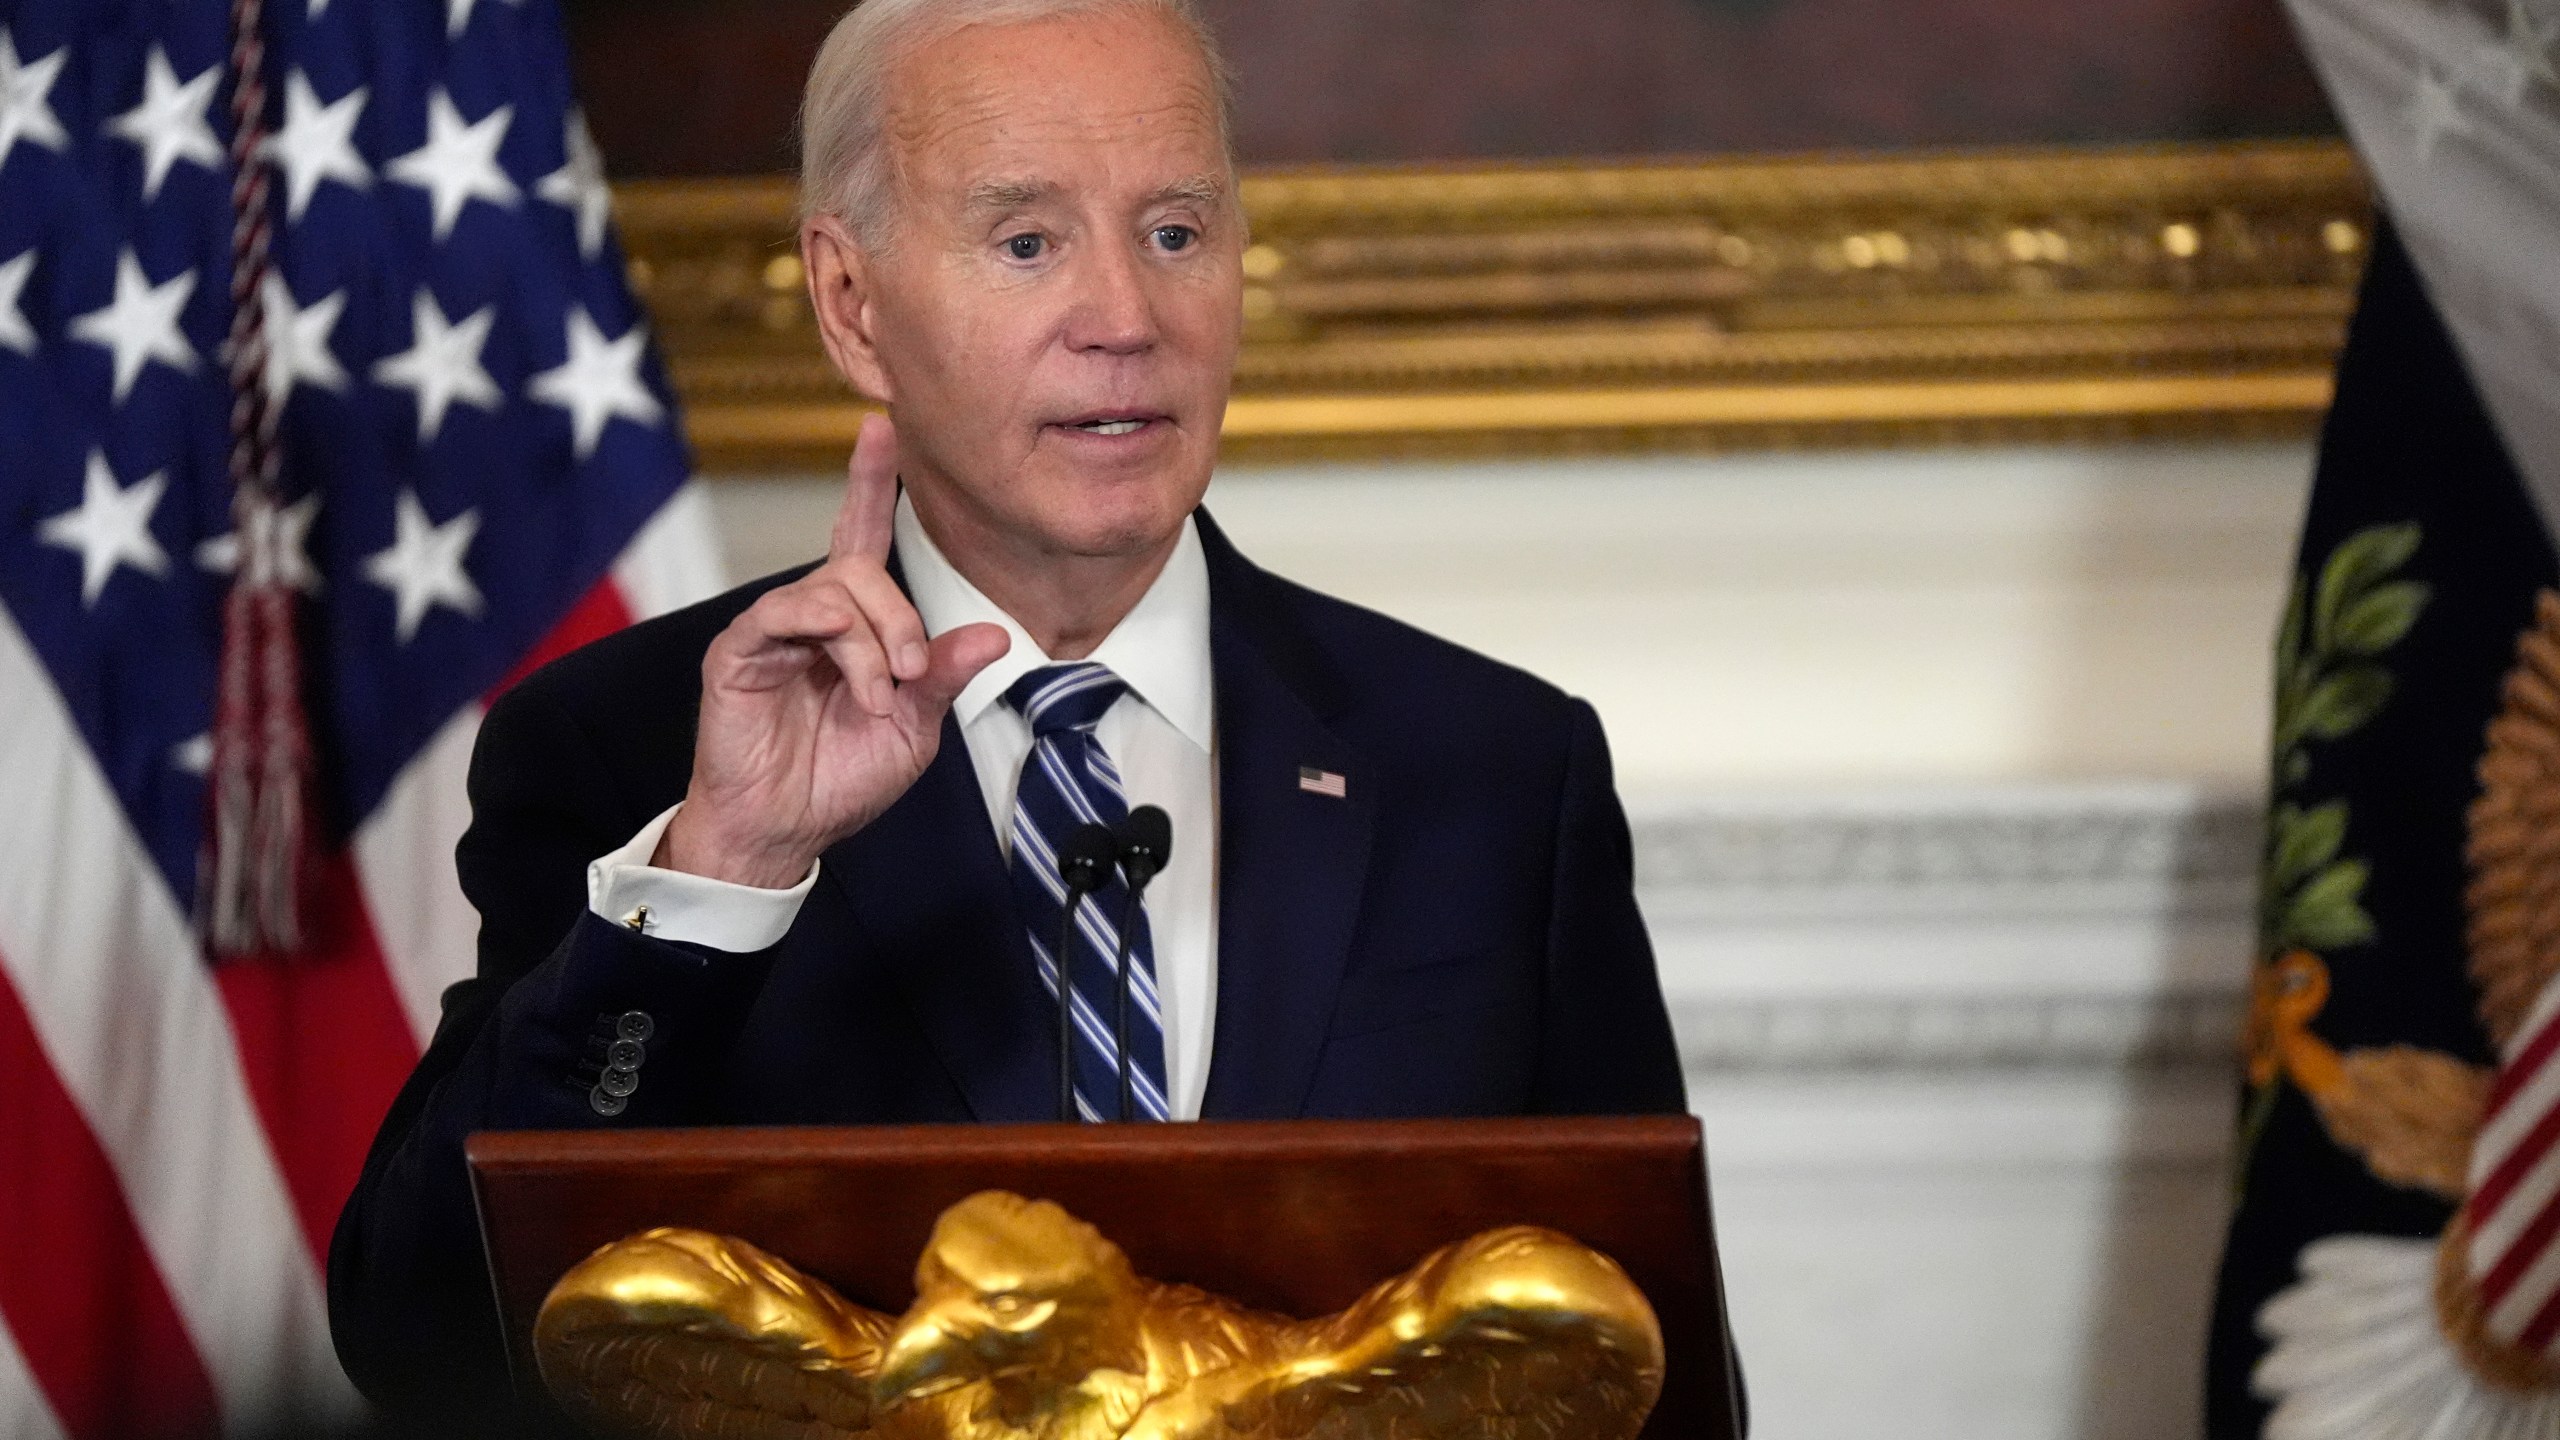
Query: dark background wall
x,y
690,87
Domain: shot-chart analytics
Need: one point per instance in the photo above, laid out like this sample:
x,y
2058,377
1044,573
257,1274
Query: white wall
x,y
1944,767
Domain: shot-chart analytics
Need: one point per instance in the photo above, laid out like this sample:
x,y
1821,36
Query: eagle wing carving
x,y
678,1334
1516,1332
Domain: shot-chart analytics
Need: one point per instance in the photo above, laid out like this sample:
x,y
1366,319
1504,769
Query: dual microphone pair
x,y
1138,847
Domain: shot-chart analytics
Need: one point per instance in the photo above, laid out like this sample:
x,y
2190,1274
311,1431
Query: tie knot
x,y
1065,697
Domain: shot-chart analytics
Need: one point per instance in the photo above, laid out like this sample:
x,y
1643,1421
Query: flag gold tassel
x,y
250,891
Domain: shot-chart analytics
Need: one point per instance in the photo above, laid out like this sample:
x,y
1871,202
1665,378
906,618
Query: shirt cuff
x,y
625,888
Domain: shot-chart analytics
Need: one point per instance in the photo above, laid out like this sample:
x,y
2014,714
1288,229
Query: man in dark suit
x,y
791,856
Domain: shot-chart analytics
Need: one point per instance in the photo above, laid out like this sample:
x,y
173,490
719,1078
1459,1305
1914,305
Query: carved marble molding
x,y
1960,1033
2031,847
1824,300
2024,928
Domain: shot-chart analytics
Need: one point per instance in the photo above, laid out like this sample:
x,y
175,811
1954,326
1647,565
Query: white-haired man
x,y
793,856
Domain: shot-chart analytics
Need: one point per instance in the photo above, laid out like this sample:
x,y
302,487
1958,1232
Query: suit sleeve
x,y
1605,1044
524,1044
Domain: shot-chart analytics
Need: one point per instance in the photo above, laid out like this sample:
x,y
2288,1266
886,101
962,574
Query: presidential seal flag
x,y
325,410
2393,1267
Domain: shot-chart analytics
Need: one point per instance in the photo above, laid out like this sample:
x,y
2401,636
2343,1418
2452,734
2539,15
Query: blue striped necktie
x,y
1068,781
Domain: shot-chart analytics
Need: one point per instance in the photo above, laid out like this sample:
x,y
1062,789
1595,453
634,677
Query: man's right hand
x,y
822,703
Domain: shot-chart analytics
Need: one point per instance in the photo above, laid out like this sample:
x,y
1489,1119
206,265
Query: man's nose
x,y
1114,312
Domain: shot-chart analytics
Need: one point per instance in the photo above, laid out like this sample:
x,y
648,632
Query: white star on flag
x,y
599,380
110,527
578,185
2434,112
316,143
194,755
169,124
285,537
15,333
298,339
2524,56
24,111
442,363
458,15
141,324
459,162
423,567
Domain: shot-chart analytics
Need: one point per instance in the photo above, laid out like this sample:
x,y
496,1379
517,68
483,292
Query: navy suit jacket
x,y
1456,935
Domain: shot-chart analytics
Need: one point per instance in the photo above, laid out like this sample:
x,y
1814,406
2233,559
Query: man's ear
x,y
841,291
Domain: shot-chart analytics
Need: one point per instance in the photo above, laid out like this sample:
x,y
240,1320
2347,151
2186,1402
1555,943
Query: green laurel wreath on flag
x,y
2329,684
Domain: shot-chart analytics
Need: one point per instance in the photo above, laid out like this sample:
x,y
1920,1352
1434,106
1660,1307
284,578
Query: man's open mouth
x,y
1111,424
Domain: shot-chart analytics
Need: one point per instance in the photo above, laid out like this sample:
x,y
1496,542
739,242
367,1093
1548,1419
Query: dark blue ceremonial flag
x,y
2370,1063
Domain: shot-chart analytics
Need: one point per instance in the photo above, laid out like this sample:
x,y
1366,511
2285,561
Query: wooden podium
x,y
1298,1217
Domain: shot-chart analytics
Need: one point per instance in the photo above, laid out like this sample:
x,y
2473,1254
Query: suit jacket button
x,y
617,1083
635,1025
626,1054
606,1105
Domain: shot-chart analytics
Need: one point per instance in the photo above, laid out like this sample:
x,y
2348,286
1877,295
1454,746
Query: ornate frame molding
x,y
1799,301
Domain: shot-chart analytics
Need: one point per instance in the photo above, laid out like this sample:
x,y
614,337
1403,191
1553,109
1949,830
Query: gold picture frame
x,y
1819,301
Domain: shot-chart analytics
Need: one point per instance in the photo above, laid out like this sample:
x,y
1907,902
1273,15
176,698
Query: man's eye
x,y
1025,247
1176,237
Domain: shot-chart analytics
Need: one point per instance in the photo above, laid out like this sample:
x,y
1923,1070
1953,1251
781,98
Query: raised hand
x,y
822,703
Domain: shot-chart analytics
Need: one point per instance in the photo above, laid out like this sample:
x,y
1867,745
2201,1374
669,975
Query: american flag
x,y
475,465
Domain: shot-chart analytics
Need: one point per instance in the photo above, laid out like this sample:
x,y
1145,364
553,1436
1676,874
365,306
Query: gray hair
x,y
844,170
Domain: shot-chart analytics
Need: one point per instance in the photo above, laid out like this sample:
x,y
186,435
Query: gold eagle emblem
x,y
1028,1324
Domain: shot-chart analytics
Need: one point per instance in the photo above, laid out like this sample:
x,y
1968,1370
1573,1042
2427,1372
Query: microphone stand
x,y
1145,844
1084,864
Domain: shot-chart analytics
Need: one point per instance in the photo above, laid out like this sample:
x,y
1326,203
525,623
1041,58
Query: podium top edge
x,y
522,1151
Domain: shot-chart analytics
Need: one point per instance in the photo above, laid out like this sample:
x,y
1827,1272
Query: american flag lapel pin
x,y
1321,782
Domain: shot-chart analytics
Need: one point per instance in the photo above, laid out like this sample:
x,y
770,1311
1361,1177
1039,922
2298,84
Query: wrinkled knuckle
x,y
734,640
768,614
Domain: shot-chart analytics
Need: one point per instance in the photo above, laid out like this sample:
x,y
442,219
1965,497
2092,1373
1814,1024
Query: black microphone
x,y
1084,863
1145,844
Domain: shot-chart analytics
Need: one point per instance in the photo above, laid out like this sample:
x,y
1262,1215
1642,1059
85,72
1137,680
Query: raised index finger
x,y
862,525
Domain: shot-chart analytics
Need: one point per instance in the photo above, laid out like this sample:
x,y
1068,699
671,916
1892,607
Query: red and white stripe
x,y
2514,1204
176,1138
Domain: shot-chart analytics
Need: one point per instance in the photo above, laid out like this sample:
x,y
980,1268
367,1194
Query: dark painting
x,y
690,87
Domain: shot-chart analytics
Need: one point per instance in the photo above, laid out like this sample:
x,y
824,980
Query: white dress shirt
x,y
1161,735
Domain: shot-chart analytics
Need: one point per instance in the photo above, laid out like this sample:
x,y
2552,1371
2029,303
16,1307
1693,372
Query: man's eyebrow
x,y
1008,194
1202,189
1001,195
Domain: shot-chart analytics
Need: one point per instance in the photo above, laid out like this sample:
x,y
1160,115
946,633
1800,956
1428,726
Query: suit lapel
x,y
1291,863
929,889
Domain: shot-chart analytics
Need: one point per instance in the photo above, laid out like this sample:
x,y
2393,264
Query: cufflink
x,y
637,922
